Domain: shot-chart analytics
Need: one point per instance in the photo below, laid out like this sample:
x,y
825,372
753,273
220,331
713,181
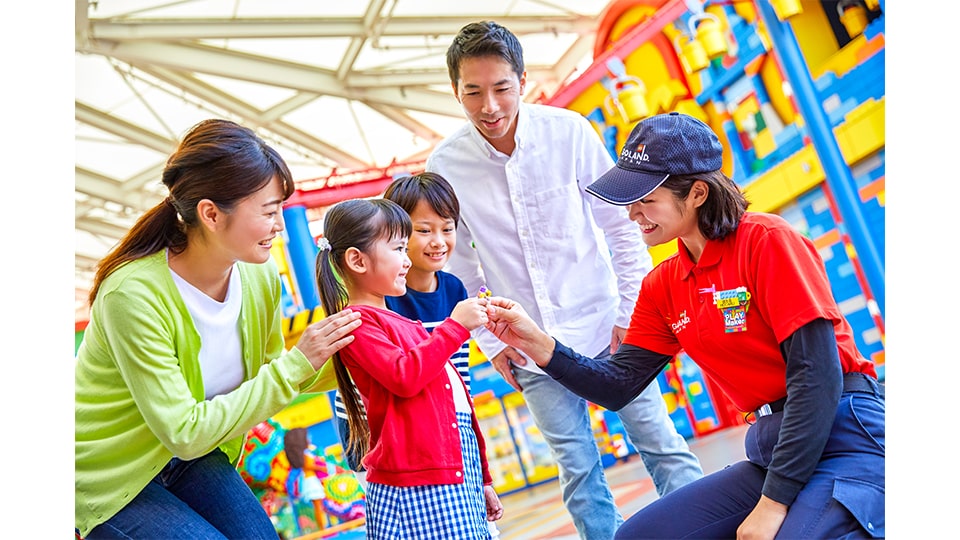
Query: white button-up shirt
x,y
572,261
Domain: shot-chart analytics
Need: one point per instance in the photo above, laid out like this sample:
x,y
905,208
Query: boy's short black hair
x,y
407,191
485,38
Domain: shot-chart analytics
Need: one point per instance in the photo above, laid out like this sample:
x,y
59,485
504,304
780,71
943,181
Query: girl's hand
x,y
321,339
494,508
471,313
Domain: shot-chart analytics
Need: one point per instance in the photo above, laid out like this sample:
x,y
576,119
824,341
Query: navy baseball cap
x,y
658,146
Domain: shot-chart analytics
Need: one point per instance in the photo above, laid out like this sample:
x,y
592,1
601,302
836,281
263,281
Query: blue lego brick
x,y
701,404
865,332
596,116
720,78
679,415
863,82
843,279
816,209
682,423
615,425
789,141
610,141
825,81
484,377
836,115
875,27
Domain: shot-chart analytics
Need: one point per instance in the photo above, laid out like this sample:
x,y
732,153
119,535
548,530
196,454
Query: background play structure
x,y
267,471
796,92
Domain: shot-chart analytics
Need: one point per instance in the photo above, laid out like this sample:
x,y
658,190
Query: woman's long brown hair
x,y
217,160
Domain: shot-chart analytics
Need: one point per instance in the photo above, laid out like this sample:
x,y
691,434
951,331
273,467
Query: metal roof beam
x,y
107,189
240,108
356,42
408,122
246,67
100,228
202,28
131,132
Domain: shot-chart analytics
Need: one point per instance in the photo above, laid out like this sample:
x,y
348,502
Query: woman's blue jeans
x,y
200,499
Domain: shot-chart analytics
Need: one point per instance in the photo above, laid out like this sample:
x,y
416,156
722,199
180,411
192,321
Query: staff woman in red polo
x,y
747,297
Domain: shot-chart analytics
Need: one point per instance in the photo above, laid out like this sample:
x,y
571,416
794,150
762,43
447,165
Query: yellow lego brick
x,y
279,255
661,252
305,413
764,143
862,134
747,109
863,131
768,192
513,399
317,314
690,107
665,97
476,356
297,323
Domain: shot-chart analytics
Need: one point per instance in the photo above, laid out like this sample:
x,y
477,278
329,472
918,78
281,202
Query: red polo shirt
x,y
731,310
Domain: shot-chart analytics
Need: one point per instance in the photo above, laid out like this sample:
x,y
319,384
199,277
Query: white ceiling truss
x,y
337,87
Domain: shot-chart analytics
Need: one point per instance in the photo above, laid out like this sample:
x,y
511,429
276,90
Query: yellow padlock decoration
x,y
628,99
709,33
853,15
693,57
786,8
634,101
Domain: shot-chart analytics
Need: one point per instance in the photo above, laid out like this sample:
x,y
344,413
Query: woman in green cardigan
x,y
184,352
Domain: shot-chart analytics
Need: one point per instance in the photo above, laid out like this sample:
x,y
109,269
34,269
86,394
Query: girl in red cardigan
x,y
427,474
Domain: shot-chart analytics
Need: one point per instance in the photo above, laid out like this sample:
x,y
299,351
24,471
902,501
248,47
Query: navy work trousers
x,y
843,499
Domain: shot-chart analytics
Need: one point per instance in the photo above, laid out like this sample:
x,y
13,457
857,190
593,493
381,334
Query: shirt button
x,y
459,474
454,425
447,386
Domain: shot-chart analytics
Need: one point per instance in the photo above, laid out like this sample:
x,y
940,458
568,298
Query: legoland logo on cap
x,y
635,156
659,146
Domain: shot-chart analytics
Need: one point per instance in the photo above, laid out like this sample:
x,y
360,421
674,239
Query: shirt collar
x,y
523,120
712,253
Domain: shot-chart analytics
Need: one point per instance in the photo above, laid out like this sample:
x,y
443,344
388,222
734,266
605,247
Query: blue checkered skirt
x,y
442,512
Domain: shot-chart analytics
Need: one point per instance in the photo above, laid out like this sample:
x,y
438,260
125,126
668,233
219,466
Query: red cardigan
x,y
400,370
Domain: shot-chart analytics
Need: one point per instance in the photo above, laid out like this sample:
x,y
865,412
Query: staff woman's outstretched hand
x,y
511,324
321,339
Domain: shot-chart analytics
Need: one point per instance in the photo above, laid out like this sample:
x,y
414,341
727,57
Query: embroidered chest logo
x,y
733,305
681,322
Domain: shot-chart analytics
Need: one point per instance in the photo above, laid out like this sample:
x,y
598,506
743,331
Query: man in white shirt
x,y
529,231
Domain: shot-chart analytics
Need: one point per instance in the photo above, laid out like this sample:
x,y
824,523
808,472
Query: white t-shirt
x,y
217,323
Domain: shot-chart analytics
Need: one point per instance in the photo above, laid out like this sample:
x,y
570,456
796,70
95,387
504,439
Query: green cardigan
x,y
139,392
